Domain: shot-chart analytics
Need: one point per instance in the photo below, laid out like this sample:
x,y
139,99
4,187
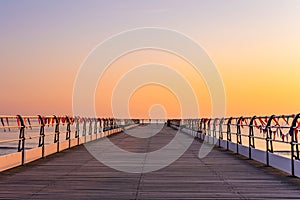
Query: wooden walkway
x,y
75,174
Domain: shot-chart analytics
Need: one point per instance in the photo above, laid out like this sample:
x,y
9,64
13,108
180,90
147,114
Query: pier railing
x,y
27,138
273,140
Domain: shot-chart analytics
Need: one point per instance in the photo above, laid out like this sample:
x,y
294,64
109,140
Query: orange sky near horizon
x,y
255,46
251,90
151,94
256,88
162,105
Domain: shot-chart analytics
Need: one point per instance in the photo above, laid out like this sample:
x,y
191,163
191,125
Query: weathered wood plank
x,y
75,174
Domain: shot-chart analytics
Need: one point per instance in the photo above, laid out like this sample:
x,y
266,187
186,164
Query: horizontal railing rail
x,y
44,135
275,134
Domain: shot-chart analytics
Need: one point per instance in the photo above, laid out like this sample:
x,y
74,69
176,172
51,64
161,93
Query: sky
x,y
254,44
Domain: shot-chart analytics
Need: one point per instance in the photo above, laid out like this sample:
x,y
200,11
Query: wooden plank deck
x,y
75,174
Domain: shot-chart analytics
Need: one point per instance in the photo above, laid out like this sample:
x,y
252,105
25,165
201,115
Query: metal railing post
x,y
104,127
111,126
91,128
198,128
202,128
204,131
228,133
42,135
100,126
269,144
208,129
56,135
96,127
251,136
214,130
68,132
238,134
84,129
221,131
21,146
193,127
294,140
108,127
77,121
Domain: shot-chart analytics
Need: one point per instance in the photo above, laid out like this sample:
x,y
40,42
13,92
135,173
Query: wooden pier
x,y
76,174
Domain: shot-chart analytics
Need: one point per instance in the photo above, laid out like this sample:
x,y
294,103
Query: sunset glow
x,y
255,46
